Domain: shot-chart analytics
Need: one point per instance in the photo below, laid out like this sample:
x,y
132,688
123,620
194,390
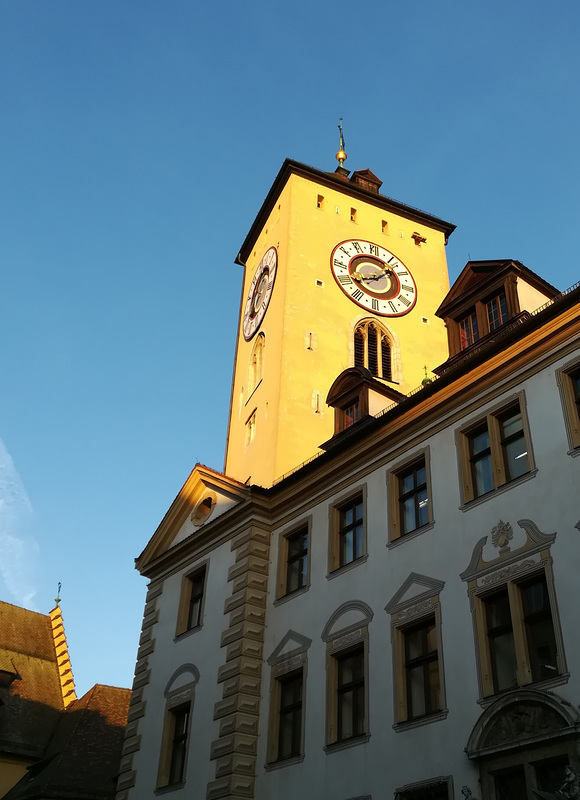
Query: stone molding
x,y
132,741
235,748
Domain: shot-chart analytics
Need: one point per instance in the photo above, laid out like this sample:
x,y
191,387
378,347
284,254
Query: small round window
x,y
203,510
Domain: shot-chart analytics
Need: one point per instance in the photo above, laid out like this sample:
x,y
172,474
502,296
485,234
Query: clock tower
x,y
336,275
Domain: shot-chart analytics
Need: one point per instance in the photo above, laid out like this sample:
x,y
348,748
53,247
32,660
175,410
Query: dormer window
x,y
351,414
497,311
469,330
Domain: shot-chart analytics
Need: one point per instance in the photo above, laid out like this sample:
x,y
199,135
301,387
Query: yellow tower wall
x,y
310,322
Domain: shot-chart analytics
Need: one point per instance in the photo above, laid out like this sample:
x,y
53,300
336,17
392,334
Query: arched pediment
x,y
184,677
348,617
521,718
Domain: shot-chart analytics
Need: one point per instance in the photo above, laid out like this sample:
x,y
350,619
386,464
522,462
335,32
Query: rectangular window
x,y
293,564
469,330
353,215
174,747
495,451
319,201
422,669
290,716
350,532
569,380
384,226
409,497
497,311
297,560
350,694
250,428
347,531
519,643
191,603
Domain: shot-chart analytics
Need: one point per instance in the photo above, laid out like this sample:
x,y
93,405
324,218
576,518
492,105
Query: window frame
x,y
565,377
187,585
282,591
289,659
416,603
337,652
383,359
491,422
523,666
353,498
176,700
394,475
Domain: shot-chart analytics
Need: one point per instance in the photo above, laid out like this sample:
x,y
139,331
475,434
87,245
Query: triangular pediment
x,y
203,498
416,587
292,644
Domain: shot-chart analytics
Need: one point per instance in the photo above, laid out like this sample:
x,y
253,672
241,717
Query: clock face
x,y
260,293
373,277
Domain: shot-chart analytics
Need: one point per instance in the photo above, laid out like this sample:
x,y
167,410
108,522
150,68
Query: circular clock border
x,y
251,321
377,301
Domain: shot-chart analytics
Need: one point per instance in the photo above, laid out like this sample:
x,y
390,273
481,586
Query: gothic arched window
x,y
372,349
256,365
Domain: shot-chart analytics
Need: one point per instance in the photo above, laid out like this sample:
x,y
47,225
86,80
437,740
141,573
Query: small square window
x,y
353,215
191,604
319,201
250,428
384,226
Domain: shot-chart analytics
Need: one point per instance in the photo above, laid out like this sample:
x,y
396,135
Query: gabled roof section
x,y
476,276
204,496
347,187
366,179
82,759
355,379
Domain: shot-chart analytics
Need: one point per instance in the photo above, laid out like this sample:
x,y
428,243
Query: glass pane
x,y
414,644
408,515
416,692
358,541
498,611
423,507
434,686
516,458
551,773
511,784
294,575
542,648
479,441
512,425
345,715
503,656
482,475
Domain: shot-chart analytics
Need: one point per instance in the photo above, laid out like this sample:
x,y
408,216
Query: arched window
x,y
256,365
372,349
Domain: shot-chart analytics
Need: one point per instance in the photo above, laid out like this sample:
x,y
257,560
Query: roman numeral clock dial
x,y
373,277
260,293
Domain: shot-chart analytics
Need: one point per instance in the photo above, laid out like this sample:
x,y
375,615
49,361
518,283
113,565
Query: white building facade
x,y
397,617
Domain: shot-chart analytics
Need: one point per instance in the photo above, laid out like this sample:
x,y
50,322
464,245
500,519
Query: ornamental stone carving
x,y
522,721
501,534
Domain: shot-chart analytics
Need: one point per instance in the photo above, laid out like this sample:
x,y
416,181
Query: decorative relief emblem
x,y
501,534
348,639
521,722
416,610
507,573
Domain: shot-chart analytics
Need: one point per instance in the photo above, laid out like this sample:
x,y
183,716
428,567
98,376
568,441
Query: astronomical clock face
x,y
260,292
373,278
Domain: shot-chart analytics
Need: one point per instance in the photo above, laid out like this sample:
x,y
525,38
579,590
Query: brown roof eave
x,y
332,181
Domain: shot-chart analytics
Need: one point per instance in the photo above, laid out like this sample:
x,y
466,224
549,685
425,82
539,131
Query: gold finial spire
x,y
341,155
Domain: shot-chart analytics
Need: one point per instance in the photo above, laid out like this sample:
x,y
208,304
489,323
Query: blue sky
x,y
139,139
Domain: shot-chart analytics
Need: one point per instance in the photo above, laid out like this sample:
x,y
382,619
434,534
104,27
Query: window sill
x,y
285,597
574,452
500,489
179,636
540,685
354,741
347,567
173,787
412,535
284,762
417,722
